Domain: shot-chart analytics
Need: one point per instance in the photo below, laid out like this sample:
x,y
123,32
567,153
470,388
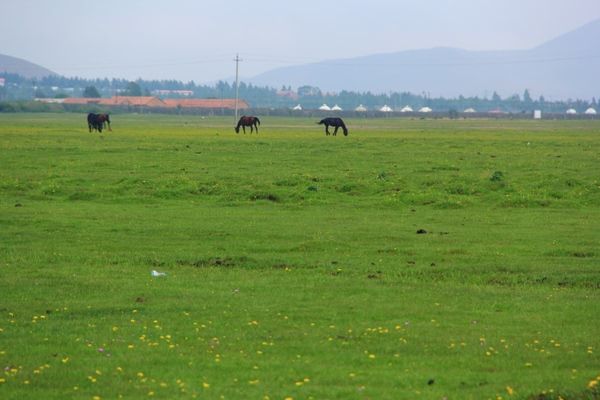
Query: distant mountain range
x,y
24,68
565,67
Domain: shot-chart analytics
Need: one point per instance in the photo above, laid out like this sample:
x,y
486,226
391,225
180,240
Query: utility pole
x,y
237,86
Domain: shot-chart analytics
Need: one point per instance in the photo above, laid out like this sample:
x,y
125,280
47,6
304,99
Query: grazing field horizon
x,y
433,259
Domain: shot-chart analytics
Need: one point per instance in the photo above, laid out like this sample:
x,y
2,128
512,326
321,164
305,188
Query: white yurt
x,y
425,110
386,108
360,108
571,111
470,110
297,108
591,111
336,108
406,109
325,107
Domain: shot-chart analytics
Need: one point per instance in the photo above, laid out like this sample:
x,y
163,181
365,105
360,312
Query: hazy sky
x,y
197,40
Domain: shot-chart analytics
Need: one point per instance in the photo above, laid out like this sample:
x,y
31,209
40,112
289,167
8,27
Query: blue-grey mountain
x,y
22,67
565,67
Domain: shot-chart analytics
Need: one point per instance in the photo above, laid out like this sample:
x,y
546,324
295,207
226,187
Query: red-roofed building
x,y
155,102
206,103
141,101
84,100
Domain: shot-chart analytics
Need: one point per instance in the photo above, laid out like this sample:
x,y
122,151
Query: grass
x,y
294,267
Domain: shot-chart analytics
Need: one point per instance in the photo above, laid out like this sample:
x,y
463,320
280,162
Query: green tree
x,y
527,97
91,92
40,94
496,98
133,89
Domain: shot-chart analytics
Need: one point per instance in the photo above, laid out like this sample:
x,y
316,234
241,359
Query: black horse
x,y
245,121
97,121
335,122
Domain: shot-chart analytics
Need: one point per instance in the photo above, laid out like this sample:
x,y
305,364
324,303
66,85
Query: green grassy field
x,y
293,265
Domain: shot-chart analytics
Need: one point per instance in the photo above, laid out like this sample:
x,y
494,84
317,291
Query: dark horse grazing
x,y
335,122
247,121
97,121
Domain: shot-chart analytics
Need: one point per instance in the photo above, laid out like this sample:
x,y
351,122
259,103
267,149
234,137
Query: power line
x,y
348,62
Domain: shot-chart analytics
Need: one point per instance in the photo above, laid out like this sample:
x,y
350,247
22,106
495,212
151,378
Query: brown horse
x,y
104,119
245,121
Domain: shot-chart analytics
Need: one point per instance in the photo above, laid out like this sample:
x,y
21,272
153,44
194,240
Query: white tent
x,y
590,111
386,108
571,111
360,108
325,107
297,108
470,110
425,110
336,108
406,109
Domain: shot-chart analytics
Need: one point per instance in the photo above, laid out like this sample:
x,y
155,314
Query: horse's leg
x,y
335,130
256,126
244,128
326,130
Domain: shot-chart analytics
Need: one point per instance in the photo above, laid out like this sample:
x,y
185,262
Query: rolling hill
x,y
565,67
22,67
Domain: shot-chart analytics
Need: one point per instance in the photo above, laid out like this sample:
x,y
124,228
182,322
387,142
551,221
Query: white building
x,y
590,111
336,108
183,93
386,108
325,107
406,109
470,110
571,111
425,110
360,108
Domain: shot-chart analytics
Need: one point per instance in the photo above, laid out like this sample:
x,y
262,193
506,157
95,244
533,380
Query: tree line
x,y
17,87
